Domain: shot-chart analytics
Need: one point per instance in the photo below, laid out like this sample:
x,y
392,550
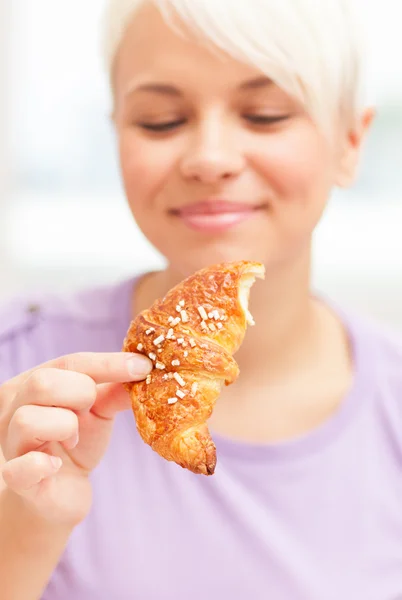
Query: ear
x,y
351,147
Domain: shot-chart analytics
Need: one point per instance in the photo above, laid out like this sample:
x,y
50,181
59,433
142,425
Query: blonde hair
x,y
312,49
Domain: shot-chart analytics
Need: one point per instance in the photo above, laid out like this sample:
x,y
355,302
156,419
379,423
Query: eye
x,y
265,120
163,126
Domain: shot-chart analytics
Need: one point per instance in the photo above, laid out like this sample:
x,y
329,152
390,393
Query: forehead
x,y
151,48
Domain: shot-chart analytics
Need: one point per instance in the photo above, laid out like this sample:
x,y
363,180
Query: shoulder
x,y
40,327
383,341
377,389
17,316
380,344
378,353
383,347
388,355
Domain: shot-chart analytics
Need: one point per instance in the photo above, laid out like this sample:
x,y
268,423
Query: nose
x,y
212,154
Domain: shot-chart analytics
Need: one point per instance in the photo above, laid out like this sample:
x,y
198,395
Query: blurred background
x,y
64,223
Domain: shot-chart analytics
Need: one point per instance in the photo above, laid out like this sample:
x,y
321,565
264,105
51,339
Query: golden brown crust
x,y
192,362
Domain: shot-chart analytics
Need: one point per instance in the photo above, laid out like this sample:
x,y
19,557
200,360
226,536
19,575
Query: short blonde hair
x,y
312,49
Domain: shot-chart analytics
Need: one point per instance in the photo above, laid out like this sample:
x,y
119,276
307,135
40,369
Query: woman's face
x,y
218,163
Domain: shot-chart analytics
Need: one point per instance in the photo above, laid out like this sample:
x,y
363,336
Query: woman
x,y
233,128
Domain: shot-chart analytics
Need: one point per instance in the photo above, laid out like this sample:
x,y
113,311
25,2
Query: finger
x,y
54,387
22,474
107,367
111,399
32,426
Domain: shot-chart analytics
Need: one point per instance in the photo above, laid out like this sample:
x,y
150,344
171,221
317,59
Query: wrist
x,y
15,509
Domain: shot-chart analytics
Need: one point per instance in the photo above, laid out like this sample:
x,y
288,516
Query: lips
x,y
215,216
215,208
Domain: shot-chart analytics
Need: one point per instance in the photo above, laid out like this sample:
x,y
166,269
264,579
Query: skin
x,y
287,168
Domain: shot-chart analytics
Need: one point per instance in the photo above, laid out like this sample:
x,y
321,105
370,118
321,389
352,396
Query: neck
x,y
283,312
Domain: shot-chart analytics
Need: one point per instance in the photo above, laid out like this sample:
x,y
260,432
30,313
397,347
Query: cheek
x,y
297,169
298,165
145,167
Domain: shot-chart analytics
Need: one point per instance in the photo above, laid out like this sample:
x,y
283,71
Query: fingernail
x,y
56,462
139,366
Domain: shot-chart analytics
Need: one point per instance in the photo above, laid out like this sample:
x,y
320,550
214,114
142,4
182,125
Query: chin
x,y
191,260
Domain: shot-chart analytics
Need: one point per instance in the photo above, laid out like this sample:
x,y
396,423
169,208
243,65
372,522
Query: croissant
x,y
190,335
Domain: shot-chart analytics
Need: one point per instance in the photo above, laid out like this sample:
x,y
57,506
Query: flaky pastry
x,y
190,335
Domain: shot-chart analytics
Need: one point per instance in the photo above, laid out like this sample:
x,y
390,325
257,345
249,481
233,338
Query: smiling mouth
x,y
216,208
214,217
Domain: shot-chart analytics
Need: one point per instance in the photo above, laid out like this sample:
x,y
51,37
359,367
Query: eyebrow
x,y
166,89
256,83
163,89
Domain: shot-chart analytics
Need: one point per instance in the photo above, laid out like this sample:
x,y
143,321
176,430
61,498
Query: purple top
x,y
317,518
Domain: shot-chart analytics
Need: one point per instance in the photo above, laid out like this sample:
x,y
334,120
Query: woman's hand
x,y
55,425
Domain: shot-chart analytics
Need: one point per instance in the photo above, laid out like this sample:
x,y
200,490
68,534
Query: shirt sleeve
x,y
46,325
18,320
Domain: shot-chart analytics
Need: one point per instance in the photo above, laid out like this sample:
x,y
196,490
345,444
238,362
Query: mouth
x,y
216,215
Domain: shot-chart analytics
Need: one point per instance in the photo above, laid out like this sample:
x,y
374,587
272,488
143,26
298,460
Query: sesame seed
x,y
172,400
159,340
192,343
170,319
184,316
212,327
185,354
220,326
180,394
203,313
175,321
204,326
175,363
160,366
216,315
182,303
180,341
179,379
149,331
210,315
178,308
152,356
148,380
165,377
140,347
194,388
169,333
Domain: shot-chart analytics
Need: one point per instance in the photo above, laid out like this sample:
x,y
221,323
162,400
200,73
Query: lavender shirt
x,y
317,518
